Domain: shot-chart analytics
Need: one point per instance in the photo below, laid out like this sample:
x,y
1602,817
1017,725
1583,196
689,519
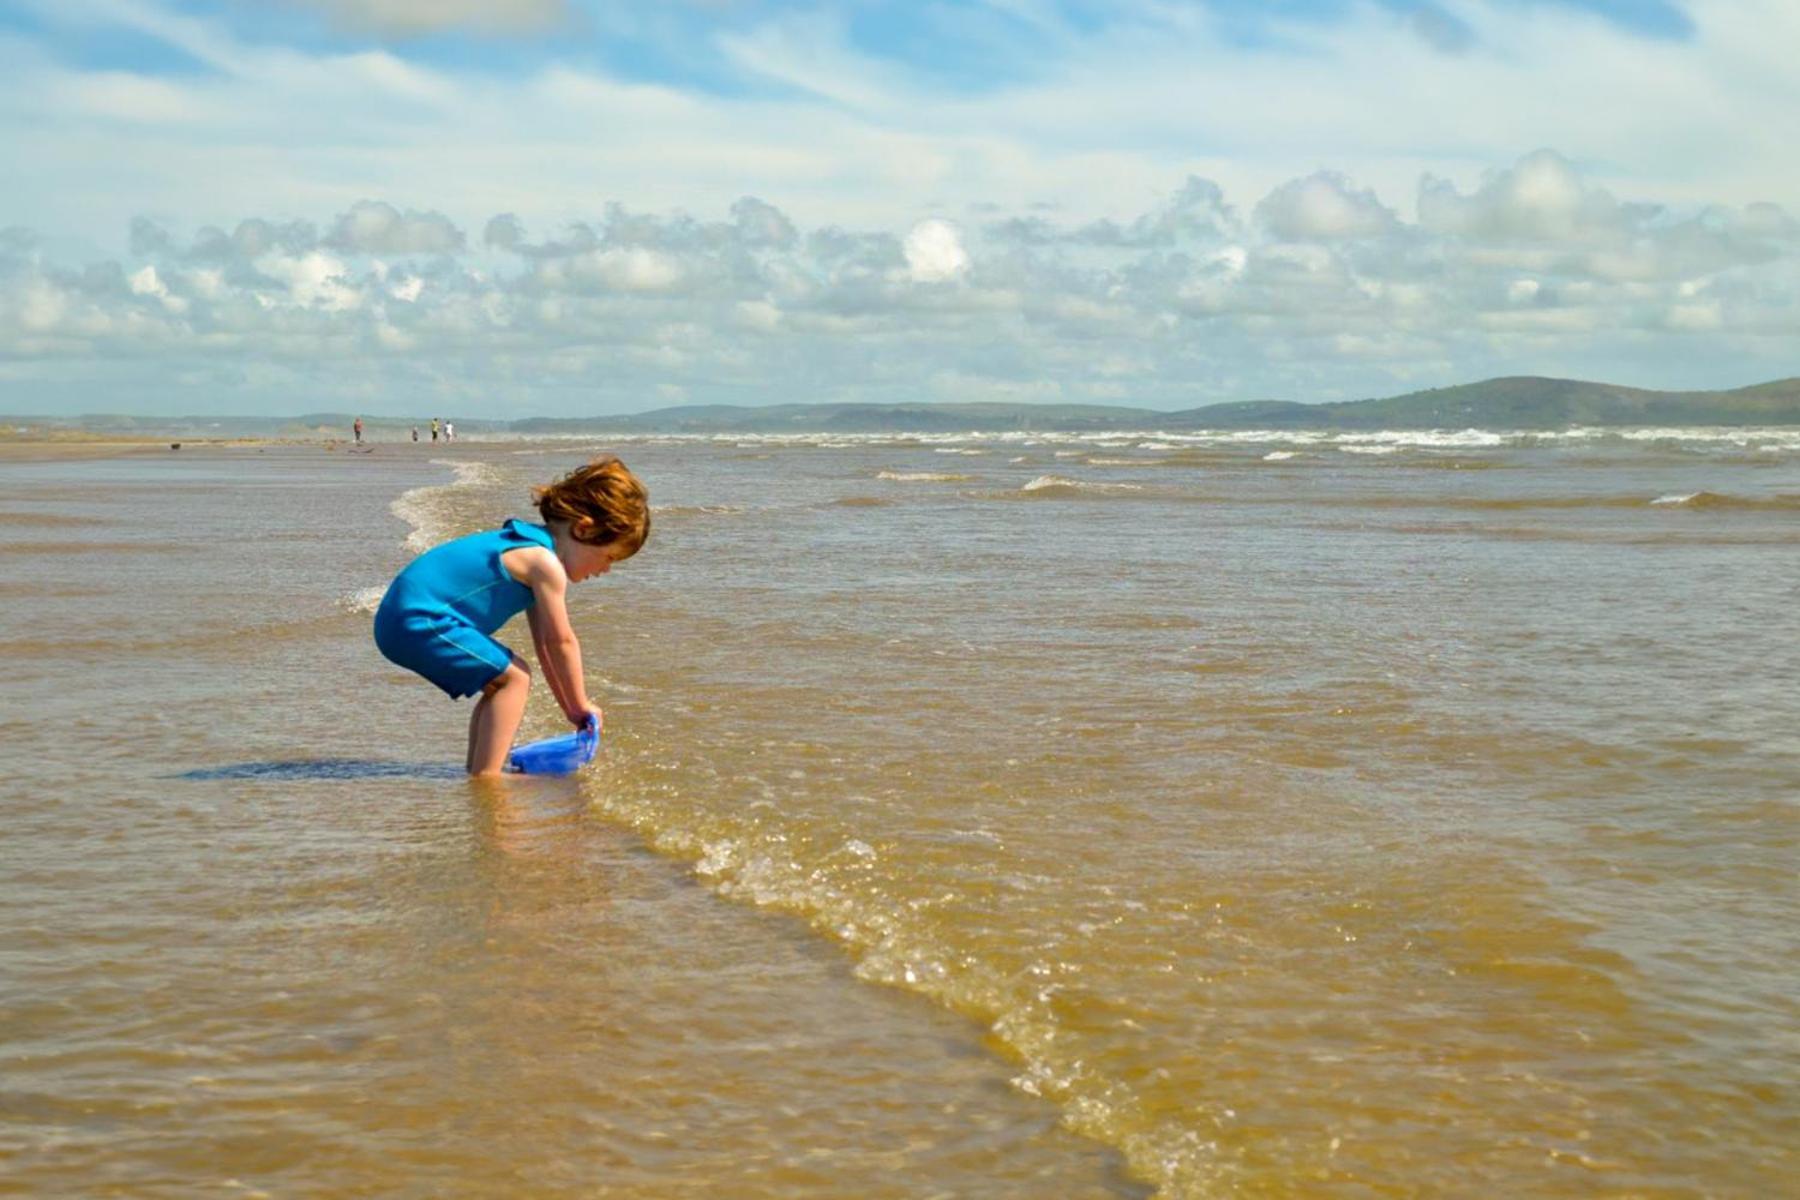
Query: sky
x,y
508,208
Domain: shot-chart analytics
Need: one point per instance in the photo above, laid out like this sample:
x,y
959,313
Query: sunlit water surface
x,y
1251,815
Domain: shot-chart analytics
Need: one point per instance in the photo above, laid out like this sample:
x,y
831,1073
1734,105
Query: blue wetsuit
x,y
440,613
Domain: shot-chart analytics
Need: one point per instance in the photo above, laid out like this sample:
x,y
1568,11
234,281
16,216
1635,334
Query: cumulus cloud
x,y
1542,199
503,231
1542,214
1326,293
1196,212
761,224
373,227
1324,207
934,252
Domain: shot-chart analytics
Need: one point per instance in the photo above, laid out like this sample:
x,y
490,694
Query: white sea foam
x,y
923,477
468,474
1676,498
1278,455
1077,443
363,600
1433,438
696,510
413,508
1051,482
420,507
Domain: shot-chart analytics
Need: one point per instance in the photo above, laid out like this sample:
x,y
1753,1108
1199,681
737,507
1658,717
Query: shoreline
x,y
65,448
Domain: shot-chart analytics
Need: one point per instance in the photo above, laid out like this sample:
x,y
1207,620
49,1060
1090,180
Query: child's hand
x,y
580,719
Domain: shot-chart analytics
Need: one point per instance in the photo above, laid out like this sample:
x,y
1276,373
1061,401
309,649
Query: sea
x,y
1201,815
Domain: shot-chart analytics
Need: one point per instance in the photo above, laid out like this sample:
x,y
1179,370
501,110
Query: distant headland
x,y
1513,402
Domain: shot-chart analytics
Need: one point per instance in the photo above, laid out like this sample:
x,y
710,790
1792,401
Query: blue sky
x,y
513,207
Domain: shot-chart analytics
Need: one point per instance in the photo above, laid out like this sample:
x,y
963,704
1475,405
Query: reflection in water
x,y
540,818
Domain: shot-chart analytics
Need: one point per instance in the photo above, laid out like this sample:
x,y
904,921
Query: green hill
x,y
1514,402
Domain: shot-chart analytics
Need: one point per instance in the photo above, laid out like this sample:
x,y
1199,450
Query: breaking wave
x,y
1054,486
428,509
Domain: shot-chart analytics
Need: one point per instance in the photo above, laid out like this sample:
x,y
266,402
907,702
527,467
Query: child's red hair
x,y
602,503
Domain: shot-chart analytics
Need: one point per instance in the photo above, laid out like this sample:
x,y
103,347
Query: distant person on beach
x,y
434,429
449,431
357,430
415,433
441,612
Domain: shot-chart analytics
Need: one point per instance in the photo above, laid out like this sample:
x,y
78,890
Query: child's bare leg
x,y
496,719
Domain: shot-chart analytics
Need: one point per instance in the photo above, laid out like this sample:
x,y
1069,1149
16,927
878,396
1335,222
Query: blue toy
x,y
557,755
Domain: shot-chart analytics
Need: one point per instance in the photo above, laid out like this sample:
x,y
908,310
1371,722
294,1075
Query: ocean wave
x,y
468,473
426,508
1079,442
1699,499
841,886
1458,439
1716,500
696,510
1057,486
363,600
922,477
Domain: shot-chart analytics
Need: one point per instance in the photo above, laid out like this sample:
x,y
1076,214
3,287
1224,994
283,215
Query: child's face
x,y
584,560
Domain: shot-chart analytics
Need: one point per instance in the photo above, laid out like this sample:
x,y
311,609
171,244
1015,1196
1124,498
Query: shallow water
x,y
1401,816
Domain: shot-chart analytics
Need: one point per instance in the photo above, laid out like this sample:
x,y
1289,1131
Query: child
x,y
440,613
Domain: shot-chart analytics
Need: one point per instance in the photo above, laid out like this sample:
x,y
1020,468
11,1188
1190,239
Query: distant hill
x,y
855,418
1515,402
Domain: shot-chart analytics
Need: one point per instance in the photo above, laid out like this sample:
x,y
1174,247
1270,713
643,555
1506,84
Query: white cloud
x,y
1542,199
1324,207
1158,92
312,279
934,252
1089,204
1701,318
373,227
1154,309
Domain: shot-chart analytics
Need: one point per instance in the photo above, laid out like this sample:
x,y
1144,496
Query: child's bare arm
x,y
558,649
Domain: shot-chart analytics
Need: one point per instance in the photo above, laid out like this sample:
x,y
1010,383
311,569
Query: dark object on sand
x,y
174,445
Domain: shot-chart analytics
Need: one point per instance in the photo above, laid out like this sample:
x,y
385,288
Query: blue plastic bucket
x,y
557,755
